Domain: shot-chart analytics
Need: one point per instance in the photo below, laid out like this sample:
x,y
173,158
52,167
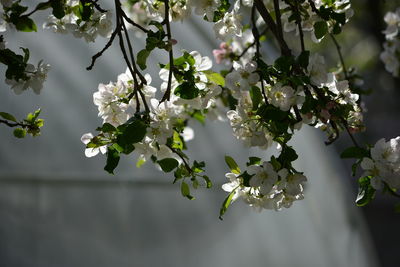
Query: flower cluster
x,y
120,101
383,166
34,78
318,17
20,74
87,24
265,186
390,54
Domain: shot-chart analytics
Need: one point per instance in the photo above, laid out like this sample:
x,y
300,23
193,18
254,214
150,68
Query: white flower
x,y
234,184
386,151
317,70
264,177
230,24
111,109
206,8
384,164
242,78
282,97
35,78
393,21
91,152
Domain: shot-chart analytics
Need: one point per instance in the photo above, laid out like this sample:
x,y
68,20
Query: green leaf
x,y
256,96
275,163
189,58
132,132
8,116
177,142
168,164
354,152
58,9
85,10
108,128
112,159
26,54
19,133
199,116
185,190
339,17
366,193
31,117
142,58
227,202
187,90
320,29
207,180
198,167
215,77
253,161
287,155
232,165
284,63
303,59
25,24
140,162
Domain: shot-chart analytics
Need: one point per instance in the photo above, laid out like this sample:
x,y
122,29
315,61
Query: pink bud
x,y
325,114
330,105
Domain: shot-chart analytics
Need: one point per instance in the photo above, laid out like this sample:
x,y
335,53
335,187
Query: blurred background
x,y
59,208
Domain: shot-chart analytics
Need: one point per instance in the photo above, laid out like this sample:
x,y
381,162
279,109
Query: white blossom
x,y
91,152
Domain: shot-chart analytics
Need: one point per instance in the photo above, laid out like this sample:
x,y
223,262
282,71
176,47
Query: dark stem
x,y
278,18
109,43
14,124
167,94
272,26
339,50
133,23
257,42
187,166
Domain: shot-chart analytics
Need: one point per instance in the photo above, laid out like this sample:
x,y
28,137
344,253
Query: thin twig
x,y
109,43
167,94
14,124
97,6
130,21
187,166
272,26
339,50
257,42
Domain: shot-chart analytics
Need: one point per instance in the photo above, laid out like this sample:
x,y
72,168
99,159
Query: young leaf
x,y
215,78
8,116
253,161
366,192
185,190
19,133
232,165
25,24
225,205
207,180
